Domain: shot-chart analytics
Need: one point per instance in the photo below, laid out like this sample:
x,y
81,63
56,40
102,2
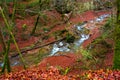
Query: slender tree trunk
x,y
34,29
6,64
2,41
37,20
8,26
14,11
117,38
5,53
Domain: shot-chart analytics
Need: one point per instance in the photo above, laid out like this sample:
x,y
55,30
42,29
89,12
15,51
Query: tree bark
x,y
117,38
2,41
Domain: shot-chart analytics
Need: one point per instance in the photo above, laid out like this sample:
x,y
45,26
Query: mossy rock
x,y
44,50
60,33
36,56
86,31
70,38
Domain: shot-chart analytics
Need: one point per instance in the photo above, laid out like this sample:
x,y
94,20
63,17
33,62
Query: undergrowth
x,y
93,56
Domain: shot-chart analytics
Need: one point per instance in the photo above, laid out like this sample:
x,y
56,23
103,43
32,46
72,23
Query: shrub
x,y
64,6
99,47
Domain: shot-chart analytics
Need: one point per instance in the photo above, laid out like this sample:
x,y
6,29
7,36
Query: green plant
x,y
9,0
108,4
36,56
88,61
69,38
60,33
38,5
14,10
64,6
6,62
32,3
46,29
108,25
45,37
64,71
12,35
99,4
99,47
38,17
46,4
85,53
117,38
5,53
20,9
84,6
24,27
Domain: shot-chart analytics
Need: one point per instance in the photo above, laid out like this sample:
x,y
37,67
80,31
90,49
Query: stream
x,y
58,47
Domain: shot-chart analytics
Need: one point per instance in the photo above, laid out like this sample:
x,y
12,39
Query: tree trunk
x,y
117,38
2,41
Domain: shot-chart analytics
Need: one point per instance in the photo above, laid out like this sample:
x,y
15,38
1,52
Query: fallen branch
x,y
35,47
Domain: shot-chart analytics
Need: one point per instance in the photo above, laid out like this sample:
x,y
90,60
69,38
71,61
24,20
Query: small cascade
x,y
81,40
102,17
59,47
63,46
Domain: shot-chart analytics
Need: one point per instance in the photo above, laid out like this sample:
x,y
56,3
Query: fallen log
x,y
36,47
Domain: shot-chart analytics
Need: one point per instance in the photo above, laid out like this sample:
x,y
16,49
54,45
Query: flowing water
x,y
57,47
65,47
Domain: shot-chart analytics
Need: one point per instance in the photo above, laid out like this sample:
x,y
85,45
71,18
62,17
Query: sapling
x,y
12,35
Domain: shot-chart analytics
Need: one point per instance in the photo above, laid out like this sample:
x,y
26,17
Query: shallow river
x,y
58,47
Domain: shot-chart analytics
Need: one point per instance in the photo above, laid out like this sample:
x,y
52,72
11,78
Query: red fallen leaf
x,y
103,74
36,74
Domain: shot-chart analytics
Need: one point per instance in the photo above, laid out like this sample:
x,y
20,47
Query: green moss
x,y
64,6
7,1
46,29
20,9
108,4
70,38
35,57
99,50
117,48
117,38
117,55
99,47
60,33
45,37
33,3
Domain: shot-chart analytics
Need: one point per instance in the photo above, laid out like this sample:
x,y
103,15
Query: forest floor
x,y
46,69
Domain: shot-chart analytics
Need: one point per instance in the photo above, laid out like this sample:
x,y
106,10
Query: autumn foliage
x,y
53,73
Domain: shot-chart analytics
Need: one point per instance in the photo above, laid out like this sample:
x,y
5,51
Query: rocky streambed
x,y
81,31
